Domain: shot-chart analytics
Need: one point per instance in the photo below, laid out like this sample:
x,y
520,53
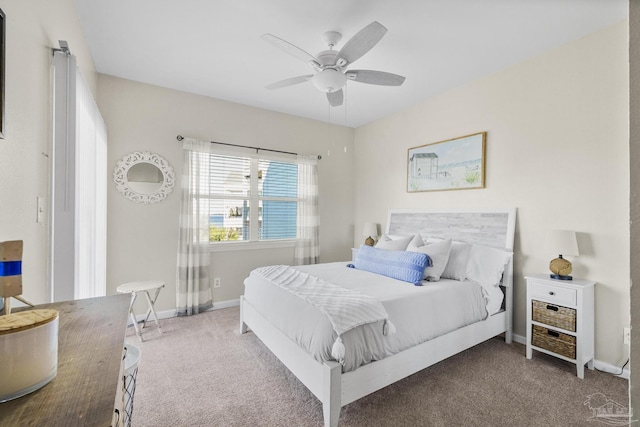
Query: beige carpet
x,y
202,372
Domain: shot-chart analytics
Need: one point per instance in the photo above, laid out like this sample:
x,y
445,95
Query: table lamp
x,y
370,230
562,242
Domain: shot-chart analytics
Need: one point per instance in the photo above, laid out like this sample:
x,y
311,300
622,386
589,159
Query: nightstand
x,y
354,253
560,319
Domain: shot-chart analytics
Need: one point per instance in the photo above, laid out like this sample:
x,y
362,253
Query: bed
x,y
338,383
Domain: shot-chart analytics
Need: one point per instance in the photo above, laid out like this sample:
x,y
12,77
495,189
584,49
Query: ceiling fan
x,y
330,66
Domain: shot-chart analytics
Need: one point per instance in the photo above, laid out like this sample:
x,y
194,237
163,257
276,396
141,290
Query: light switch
x,y
40,210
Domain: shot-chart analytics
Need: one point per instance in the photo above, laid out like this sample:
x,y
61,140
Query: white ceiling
x,y
213,47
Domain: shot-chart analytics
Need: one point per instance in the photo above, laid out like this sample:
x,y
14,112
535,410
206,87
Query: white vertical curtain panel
x,y
307,248
78,187
91,195
193,287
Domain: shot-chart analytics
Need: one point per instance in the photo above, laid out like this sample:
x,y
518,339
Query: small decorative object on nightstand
x,y
562,242
370,230
560,319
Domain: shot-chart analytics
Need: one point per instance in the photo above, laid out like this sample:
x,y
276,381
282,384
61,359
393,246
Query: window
x,y
251,198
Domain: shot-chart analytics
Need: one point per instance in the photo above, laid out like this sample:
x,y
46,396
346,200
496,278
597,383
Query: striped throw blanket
x,y
345,308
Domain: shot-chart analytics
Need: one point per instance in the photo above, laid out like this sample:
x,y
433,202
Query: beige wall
x,y
143,238
33,28
557,149
634,154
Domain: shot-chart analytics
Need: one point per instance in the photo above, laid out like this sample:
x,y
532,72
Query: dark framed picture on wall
x,y
3,42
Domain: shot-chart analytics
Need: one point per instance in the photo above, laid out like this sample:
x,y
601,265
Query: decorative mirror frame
x,y
131,159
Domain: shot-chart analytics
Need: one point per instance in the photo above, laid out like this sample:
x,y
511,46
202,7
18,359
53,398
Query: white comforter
x,y
419,313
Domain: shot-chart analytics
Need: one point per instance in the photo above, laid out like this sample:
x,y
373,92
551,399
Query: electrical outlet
x,y
216,282
627,336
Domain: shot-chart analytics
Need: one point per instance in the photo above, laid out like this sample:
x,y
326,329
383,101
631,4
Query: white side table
x,y
145,287
560,319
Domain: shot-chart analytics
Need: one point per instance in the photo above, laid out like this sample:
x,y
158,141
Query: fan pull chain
x,y
329,124
346,98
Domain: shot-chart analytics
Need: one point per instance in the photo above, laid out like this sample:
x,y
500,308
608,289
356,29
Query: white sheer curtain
x,y
78,187
193,288
307,249
91,192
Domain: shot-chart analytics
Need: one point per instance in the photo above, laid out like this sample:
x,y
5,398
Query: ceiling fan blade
x,y
360,44
375,77
289,48
289,82
335,98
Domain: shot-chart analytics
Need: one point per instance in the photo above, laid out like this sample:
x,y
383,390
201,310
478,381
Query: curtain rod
x,y
180,138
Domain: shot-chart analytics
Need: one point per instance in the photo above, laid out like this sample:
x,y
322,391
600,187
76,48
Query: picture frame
x,y
3,42
452,164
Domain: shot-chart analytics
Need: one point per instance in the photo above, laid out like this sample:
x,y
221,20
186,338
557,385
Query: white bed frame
x,y
335,389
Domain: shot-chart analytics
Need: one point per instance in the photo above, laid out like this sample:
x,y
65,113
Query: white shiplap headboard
x,y
487,227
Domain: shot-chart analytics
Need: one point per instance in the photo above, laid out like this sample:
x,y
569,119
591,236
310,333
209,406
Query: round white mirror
x,y
144,177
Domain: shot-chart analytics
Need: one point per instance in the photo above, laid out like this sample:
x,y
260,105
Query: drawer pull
x,y
553,334
551,293
552,307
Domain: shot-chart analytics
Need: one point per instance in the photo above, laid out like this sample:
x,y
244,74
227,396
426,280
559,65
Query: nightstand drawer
x,y
554,294
554,341
554,315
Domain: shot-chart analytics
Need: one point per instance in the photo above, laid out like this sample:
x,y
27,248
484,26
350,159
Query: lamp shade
x,y
370,229
562,242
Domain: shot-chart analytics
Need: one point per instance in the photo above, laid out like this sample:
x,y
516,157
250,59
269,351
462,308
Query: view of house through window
x,y
252,199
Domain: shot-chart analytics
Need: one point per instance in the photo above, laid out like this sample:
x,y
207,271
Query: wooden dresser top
x,y
90,342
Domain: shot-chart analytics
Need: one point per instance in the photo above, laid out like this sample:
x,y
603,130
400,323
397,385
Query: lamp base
x,y
560,268
369,241
559,277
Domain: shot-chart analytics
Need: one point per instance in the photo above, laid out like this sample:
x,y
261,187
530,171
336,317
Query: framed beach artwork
x,y
454,164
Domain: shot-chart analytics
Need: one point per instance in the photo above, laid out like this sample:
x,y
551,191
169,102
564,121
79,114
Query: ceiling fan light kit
x,y
330,74
329,80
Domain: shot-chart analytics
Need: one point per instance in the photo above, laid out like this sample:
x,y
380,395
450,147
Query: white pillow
x,y
486,265
439,254
397,244
494,297
456,267
416,241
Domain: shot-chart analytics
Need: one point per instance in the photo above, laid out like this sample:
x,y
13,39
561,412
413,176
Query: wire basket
x,y
131,360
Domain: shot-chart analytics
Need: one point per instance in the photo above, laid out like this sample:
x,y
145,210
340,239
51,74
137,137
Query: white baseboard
x,y
612,369
520,339
225,304
166,314
598,364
